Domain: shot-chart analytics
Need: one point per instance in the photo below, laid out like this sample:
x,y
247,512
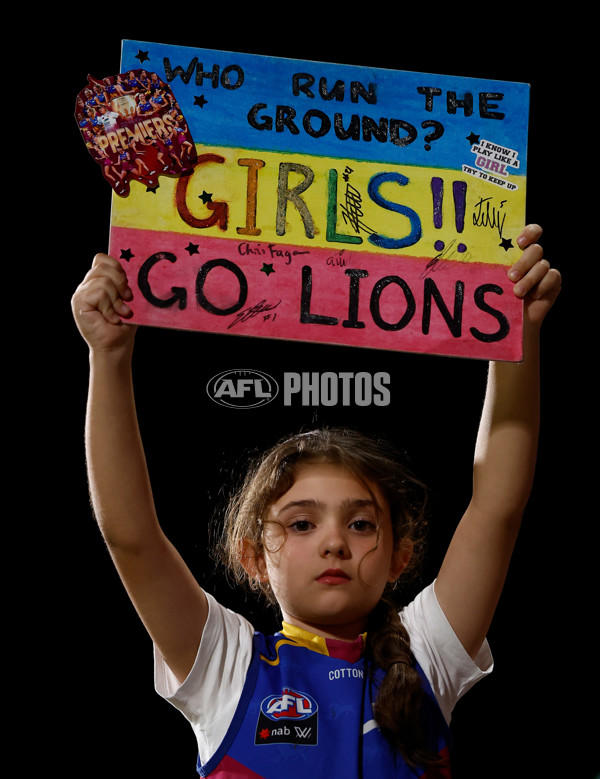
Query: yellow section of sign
x,y
278,198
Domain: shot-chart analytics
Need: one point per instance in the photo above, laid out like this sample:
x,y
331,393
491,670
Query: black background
x,y
94,686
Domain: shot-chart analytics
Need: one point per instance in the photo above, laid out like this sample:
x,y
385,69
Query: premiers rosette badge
x,y
134,128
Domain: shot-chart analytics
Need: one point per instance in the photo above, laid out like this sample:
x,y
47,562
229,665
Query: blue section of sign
x,y
341,111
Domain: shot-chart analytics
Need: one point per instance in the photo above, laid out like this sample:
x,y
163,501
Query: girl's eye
x,y
362,525
301,525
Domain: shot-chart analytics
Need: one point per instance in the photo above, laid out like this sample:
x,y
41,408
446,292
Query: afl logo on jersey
x,y
289,705
242,388
289,718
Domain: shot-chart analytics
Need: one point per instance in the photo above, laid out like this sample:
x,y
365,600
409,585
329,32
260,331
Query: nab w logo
x,y
242,389
278,717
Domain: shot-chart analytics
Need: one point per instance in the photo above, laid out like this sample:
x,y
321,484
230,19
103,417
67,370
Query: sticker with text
x,y
492,162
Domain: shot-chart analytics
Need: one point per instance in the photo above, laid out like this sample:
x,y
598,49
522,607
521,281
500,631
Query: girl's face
x,y
329,551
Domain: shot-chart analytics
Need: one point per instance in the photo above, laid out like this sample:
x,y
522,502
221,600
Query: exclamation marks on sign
x,y
459,193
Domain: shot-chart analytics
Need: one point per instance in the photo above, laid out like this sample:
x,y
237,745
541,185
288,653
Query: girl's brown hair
x,y
398,703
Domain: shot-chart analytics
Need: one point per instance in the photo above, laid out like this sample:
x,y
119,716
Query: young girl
x,y
325,524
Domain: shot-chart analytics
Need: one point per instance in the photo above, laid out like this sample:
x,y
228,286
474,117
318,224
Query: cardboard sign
x,y
332,203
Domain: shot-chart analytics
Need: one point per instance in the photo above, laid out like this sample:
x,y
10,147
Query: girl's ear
x,y
253,562
400,559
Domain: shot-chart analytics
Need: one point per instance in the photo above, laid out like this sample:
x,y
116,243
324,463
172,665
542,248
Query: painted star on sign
x,y
142,56
192,248
126,254
267,268
200,100
506,244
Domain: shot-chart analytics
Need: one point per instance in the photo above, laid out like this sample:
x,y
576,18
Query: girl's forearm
x,y
507,441
118,476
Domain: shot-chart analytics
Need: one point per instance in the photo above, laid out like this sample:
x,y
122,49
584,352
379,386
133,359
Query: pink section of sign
x,y
410,304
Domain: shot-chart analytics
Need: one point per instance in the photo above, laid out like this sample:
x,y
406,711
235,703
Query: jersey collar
x,y
351,651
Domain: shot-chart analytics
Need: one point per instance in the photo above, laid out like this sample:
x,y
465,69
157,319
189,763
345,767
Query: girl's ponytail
x,y
398,707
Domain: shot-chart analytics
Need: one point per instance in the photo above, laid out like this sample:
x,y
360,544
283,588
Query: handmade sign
x,y
330,203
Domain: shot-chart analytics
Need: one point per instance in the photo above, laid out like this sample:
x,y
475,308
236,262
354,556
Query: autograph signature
x,y
351,208
448,253
258,308
273,251
486,215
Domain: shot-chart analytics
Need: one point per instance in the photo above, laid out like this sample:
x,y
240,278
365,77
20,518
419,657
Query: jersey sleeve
x,y
449,668
208,697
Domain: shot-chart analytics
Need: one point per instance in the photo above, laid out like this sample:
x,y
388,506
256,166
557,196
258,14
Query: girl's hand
x,y
99,306
535,280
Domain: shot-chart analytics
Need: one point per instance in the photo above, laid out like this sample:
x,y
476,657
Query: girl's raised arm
x,y
169,601
474,569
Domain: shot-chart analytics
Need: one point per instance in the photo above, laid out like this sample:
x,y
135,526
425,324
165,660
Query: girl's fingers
x,y
98,296
106,266
549,286
529,235
530,257
105,290
532,278
532,274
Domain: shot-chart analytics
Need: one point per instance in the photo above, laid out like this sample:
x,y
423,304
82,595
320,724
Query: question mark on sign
x,y
437,133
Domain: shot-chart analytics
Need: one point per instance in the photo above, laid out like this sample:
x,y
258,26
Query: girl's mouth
x,y
333,576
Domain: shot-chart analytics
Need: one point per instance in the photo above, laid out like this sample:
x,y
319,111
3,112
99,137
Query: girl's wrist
x,y
114,357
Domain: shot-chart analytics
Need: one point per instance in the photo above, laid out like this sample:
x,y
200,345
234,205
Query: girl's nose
x,y
334,544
